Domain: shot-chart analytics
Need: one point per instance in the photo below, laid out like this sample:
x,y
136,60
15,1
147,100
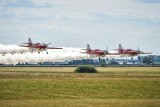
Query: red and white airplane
x,y
97,52
130,52
38,46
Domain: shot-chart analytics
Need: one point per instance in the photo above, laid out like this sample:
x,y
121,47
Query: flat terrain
x,y
60,86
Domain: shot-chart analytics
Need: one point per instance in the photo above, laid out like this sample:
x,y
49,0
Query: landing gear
x,y
42,51
46,51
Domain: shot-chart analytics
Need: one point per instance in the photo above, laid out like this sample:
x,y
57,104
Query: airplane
x,y
38,46
99,53
130,52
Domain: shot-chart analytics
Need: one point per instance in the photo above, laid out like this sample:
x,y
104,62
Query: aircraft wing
x,y
132,51
53,48
146,53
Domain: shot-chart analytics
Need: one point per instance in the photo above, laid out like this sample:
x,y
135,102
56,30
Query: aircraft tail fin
x,y
120,47
29,41
88,47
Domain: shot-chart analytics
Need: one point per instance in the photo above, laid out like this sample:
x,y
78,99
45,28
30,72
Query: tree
x,y
85,69
147,60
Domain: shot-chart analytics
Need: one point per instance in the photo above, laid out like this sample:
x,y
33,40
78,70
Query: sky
x,y
74,23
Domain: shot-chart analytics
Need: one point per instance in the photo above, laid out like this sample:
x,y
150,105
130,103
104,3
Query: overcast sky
x,y
74,23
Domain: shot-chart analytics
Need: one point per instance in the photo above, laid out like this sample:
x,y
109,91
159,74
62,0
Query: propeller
x,y
139,50
46,44
106,51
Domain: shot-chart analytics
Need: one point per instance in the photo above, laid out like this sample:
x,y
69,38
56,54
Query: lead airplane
x,y
38,46
130,52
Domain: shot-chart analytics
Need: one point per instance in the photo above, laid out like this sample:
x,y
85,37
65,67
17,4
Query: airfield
x,y
60,86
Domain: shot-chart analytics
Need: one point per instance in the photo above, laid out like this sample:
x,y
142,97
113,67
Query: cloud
x,y
99,22
80,11
147,1
24,3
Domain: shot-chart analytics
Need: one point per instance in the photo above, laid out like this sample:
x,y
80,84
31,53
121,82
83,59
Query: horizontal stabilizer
x,y
24,46
84,49
26,43
146,53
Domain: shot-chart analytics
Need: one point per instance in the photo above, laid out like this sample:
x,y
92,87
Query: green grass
x,y
79,89
113,87
71,69
82,103
37,69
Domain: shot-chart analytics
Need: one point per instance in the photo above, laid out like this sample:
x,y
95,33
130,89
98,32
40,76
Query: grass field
x,y
60,86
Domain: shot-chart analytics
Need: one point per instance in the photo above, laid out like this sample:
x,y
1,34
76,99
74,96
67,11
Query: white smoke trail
x,y
11,49
22,55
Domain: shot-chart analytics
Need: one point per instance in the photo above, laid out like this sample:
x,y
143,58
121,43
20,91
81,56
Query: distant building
x,y
156,58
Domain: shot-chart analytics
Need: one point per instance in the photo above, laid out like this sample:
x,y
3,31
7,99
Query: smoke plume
x,y
13,54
